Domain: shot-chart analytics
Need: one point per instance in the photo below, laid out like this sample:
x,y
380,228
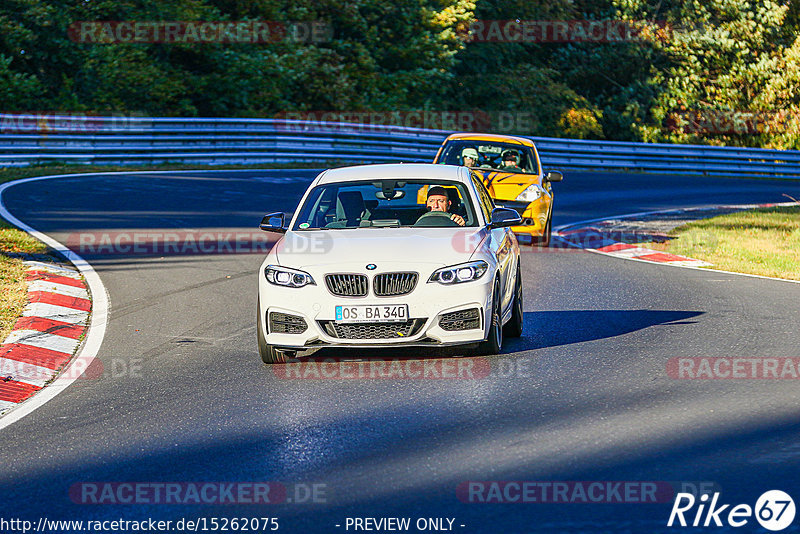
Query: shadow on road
x,y
565,327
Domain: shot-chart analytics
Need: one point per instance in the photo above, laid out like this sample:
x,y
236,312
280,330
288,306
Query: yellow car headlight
x,y
530,194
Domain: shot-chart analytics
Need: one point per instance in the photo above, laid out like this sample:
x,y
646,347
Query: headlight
x,y
456,274
531,193
283,276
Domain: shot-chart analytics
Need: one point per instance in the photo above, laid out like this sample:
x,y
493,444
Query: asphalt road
x,y
583,396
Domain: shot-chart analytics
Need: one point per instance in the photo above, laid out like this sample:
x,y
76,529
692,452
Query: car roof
x,y
490,138
425,171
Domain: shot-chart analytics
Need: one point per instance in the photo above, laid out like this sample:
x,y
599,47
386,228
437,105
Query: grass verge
x,y
14,244
763,241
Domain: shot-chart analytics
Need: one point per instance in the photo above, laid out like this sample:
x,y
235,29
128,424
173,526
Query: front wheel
x,y
494,342
514,326
544,240
269,354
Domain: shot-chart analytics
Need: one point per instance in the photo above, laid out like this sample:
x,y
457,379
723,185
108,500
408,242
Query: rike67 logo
x,y
774,510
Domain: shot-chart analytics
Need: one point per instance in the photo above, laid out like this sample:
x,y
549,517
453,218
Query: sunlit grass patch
x,y
13,290
764,241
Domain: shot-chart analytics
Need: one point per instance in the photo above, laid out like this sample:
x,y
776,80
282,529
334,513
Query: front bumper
x,y
534,215
427,304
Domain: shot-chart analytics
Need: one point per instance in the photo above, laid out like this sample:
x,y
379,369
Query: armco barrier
x,y
30,139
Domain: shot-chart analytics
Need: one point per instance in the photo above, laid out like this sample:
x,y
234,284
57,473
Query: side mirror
x,y
502,217
553,176
273,222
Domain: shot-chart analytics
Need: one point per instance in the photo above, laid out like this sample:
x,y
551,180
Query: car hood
x,y
440,246
506,177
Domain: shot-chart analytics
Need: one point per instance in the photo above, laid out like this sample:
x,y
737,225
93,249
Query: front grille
x,y
382,330
392,284
461,320
283,323
347,285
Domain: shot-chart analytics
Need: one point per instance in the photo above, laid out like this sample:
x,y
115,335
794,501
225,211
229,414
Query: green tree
x,y
556,88
381,56
18,91
732,73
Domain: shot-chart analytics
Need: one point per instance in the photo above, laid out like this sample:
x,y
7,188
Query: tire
x,y
544,240
494,342
513,327
269,354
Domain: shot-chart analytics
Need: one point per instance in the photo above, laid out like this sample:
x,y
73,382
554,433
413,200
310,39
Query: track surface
x,y
583,396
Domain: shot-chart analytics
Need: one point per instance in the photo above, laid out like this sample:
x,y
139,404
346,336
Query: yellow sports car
x,y
512,172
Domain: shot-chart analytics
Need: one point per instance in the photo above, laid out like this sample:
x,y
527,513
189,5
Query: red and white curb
x,y
595,235
63,309
593,239
46,335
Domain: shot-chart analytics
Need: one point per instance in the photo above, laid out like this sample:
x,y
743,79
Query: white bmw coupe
x,y
387,256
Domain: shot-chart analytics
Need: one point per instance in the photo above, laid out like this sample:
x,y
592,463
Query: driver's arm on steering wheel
x,y
458,219
451,218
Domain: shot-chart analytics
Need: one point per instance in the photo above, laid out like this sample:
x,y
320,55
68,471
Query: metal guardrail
x,y
29,139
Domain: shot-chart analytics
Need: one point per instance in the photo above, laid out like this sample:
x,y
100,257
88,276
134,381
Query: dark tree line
x,y
708,72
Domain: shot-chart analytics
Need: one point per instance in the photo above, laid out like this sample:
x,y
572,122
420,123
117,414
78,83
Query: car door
x,y
500,242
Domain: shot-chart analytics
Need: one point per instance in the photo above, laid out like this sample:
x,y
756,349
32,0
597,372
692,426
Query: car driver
x,y
439,201
511,161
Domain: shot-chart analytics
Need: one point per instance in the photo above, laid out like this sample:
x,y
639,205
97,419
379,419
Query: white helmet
x,y
469,153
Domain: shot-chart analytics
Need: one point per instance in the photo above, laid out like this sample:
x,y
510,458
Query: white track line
x,y
97,327
680,266
671,210
6,405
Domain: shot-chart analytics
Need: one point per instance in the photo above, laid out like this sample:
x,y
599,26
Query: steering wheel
x,y
435,218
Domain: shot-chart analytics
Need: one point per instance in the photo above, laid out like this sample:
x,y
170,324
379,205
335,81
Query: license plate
x,y
365,313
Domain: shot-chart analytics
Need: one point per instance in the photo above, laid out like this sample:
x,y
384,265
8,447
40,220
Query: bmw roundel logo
x,y
371,267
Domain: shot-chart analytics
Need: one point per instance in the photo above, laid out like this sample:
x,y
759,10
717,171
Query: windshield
x,y
490,155
382,203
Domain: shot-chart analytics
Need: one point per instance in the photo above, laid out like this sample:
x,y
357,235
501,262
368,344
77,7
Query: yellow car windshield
x,y
490,156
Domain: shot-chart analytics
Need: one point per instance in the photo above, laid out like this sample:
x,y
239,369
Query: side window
x,y
533,164
484,199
